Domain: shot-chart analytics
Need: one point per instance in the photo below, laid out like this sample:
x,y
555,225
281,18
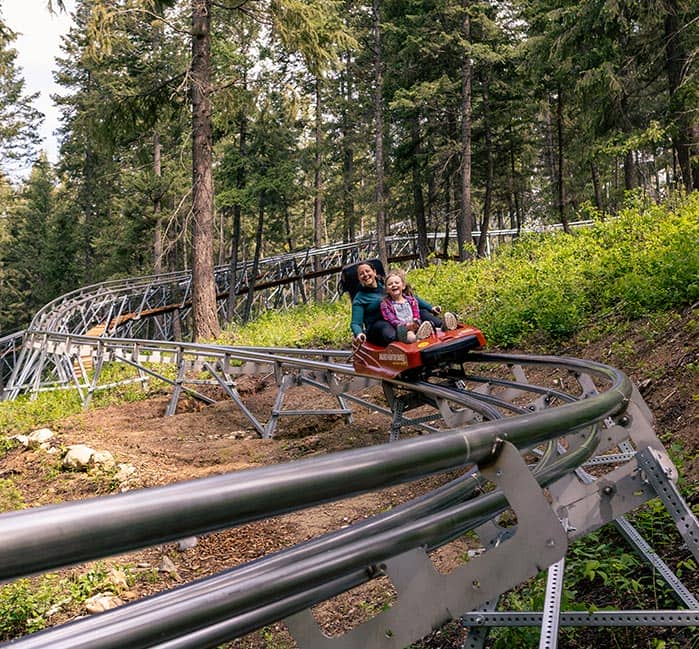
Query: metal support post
x,y
552,606
658,475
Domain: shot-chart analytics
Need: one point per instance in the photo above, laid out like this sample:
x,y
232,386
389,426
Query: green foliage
x,y
604,564
311,325
6,444
24,415
645,260
83,586
22,608
10,497
26,605
551,284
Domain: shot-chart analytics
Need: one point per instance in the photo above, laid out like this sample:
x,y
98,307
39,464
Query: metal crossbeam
x,y
580,618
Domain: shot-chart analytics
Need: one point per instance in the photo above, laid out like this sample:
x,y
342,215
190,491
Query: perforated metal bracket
x,y
659,471
552,606
427,599
658,618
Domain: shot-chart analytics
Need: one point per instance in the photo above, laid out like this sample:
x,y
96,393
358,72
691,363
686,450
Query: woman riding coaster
x,y
367,322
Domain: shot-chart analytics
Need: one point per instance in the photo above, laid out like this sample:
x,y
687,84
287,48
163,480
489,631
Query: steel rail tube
x,y
57,535
235,626
53,536
619,381
448,495
273,356
212,610
216,605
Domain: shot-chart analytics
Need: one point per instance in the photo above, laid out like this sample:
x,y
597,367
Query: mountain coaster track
x,y
560,446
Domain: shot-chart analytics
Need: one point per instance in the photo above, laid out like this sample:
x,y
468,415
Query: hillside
x,y
660,355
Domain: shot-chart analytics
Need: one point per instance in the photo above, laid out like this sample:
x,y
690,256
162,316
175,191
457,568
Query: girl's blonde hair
x,y
399,272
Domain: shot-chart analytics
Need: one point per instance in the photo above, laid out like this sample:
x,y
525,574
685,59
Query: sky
x,y
37,44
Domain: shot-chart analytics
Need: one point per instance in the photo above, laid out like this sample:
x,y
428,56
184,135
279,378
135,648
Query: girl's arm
x,y
388,313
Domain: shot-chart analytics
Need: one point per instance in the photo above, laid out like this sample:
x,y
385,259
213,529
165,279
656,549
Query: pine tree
x,y
25,257
19,120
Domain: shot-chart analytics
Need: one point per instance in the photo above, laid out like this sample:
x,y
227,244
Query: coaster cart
x,y
409,361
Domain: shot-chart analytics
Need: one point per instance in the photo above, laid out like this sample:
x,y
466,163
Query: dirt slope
x,y
661,357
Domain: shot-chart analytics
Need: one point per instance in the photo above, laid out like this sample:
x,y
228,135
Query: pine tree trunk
x,y
256,258
630,176
596,185
686,135
561,160
348,191
490,165
418,198
235,235
157,208
205,324
349,229
515,210
465,223
318,191
378,109
448,192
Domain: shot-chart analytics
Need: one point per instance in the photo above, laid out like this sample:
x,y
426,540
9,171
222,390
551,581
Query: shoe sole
x,y
450,321
425,330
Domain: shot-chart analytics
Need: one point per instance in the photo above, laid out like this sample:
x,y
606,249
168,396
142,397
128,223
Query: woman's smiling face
x,y
366,275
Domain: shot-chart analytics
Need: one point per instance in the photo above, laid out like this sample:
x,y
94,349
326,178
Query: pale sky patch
x,y
38,43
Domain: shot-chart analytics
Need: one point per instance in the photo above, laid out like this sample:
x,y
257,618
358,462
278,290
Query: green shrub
x,y
26,605
22,608
10,497
6,445
24,414
644,260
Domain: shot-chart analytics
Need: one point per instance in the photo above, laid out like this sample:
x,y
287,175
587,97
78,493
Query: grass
x,y
644,261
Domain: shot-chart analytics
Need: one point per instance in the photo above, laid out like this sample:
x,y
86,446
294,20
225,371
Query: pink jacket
x,y
389,314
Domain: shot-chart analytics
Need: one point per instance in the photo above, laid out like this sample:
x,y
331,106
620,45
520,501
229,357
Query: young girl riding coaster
x,y
402,310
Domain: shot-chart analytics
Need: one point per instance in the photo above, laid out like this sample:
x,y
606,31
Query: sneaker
x,y
410,337
425,330
450,321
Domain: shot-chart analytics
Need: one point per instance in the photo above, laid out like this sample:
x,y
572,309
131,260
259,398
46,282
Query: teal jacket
x,y
366,308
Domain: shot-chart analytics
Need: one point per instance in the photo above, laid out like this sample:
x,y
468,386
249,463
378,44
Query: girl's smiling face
x,y
394,286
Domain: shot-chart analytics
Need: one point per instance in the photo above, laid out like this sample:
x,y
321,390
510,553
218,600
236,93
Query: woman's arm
x,y
357,322
424,304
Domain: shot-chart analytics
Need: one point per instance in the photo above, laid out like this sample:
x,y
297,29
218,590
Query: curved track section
x,y
556,446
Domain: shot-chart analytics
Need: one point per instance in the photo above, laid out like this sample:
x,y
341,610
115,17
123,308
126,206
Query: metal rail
x,y
159,306
209,611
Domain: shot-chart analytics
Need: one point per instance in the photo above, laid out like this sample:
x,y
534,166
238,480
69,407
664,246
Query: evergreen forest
x,y
202,133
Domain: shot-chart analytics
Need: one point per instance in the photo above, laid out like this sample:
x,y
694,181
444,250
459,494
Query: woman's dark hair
x,y
349,281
